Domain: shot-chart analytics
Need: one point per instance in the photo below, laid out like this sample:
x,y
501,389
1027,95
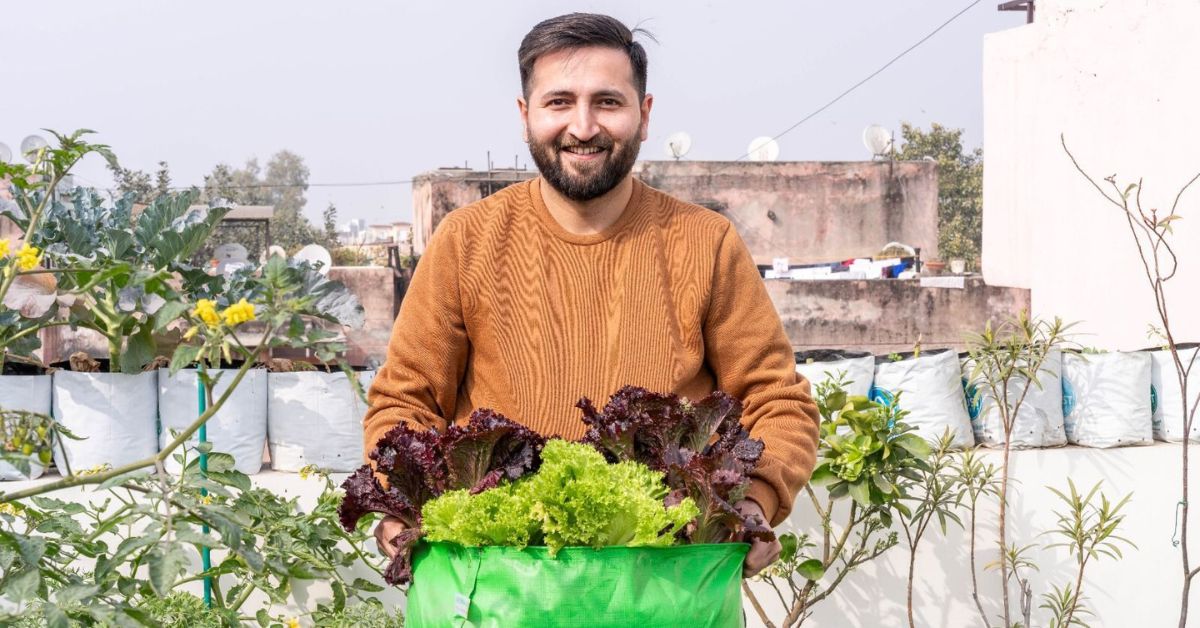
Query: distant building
x,y
809,212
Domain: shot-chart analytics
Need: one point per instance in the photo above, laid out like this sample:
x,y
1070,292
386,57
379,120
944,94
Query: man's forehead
x,y
579,70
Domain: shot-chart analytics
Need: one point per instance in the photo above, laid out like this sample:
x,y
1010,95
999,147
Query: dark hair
x,y
579,30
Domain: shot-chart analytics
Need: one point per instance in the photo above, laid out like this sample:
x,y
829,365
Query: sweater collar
x,y
543,213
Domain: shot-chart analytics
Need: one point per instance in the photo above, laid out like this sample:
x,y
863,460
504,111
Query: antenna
x,y
678,145
763,149
878,140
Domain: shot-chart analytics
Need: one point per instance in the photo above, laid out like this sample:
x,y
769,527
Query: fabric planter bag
x,y
818,365
930,389
1039,422
1166,400
30,393
611,587
239,428
1106,399
116,415
315,418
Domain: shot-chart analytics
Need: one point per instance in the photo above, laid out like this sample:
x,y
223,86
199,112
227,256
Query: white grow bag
x,y
1039,422
315,418
1166,401
116,415
239,428
30,393
819,365
1106,399
930,389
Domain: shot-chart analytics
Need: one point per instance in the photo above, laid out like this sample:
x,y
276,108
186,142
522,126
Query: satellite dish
x,y
763,149
878,140
316,254
678,145
231,252
5,153
31,145
276,251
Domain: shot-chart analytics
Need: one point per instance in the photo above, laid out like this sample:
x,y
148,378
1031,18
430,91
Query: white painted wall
x,y
1119,79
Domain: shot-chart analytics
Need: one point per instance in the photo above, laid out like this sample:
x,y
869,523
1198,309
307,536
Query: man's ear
x,y
647,103
523,108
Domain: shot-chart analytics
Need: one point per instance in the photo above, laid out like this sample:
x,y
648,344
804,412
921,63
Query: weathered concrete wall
x,y
807,211
375,289
440,192
888,315
811,211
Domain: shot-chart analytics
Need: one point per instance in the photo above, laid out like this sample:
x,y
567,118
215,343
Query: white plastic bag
x,y
1106,399
315,418
1166,401
820,364
116,415
930,389
30,393
239,428
1039,421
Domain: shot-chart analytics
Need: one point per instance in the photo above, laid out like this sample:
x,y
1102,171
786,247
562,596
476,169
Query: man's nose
x,y
583,124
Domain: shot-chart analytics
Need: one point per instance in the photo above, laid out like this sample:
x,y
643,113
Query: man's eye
x,y
610,102
557,102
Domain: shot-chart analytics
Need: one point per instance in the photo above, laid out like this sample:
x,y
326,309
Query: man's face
x,y
583,120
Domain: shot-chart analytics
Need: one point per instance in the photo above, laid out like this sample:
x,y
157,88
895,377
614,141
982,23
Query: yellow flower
x,y
11,508
206,500
28,257
206,311
293,623
191,333
4,247
238,313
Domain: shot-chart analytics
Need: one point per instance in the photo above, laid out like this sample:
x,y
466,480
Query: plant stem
x,y
762,614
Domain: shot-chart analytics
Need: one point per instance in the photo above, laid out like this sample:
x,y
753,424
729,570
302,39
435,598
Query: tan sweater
x,y
509,311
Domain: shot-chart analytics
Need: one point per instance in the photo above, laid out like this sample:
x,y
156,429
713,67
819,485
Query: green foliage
x,y
576,498
122,559
866,452
141,185
122,264
960,187
366,614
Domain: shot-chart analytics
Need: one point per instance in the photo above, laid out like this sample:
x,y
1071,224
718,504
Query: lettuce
x,y
701,446
420,465
575,499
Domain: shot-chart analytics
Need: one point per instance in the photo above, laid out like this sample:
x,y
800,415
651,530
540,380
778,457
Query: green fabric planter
x,y
647,587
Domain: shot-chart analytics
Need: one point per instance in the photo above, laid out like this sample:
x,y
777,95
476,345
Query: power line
x,y
871,75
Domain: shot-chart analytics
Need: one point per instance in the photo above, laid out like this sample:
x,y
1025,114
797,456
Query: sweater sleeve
x,y
428,350
752,359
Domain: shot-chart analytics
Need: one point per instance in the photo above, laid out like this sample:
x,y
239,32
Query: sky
x,y
374,91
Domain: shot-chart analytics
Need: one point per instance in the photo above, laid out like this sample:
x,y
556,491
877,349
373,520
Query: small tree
x,y
960,187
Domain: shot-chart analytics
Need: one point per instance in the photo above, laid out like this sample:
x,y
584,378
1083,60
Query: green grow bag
x,y
647,587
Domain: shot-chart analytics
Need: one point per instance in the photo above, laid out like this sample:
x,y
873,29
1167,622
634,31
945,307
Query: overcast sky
x,y
381,91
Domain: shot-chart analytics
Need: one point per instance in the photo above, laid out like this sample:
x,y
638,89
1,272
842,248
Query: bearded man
x,y
585,279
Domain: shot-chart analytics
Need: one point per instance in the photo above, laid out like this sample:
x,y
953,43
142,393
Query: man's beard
x,y
604,176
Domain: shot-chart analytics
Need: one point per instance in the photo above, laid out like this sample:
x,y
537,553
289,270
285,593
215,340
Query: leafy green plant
x,y
867,457
123,264
1151,231
975,480
1088,530
1007,361
935,496
576,498
34,188
123,560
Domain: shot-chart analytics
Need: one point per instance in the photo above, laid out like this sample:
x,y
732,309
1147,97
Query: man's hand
x,y
387,530
762,553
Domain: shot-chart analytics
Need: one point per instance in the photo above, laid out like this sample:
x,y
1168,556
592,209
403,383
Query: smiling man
x,y
585,279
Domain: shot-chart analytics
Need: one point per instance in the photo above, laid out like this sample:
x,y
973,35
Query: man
x,y
584,280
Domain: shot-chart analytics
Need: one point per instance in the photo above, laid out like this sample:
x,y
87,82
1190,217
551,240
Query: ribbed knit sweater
x,y
509,311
